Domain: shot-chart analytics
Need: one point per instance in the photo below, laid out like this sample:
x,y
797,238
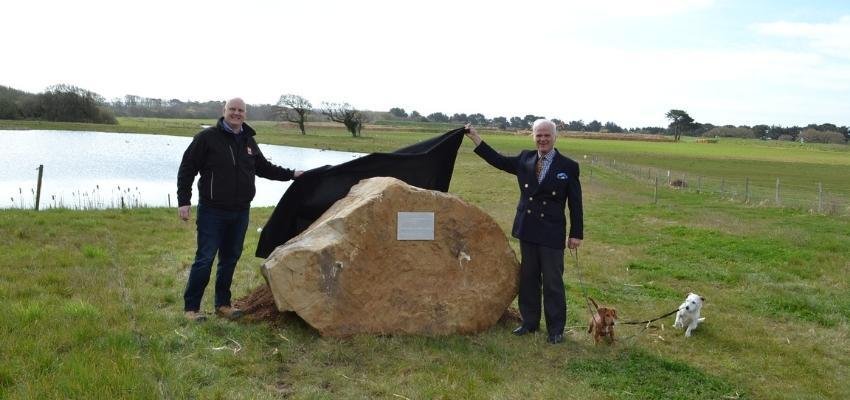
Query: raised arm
x,y
507,164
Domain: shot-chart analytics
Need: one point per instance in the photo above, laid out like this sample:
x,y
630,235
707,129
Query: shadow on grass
x,y
637,374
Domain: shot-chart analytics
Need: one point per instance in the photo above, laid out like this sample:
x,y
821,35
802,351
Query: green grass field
x,y
94,298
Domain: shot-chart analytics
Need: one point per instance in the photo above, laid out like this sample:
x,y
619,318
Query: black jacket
x,y
540,215
227,165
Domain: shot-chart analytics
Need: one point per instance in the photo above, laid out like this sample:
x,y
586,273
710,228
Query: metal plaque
x,y
415,226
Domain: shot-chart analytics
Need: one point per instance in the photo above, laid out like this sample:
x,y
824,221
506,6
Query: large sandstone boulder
x,y
347,273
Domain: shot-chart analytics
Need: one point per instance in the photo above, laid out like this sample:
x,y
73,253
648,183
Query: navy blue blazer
x,y
540,214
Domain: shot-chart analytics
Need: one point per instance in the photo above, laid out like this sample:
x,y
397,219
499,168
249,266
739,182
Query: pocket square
x,y
561,175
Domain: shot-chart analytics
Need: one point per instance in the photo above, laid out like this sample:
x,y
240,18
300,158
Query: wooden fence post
x,y
38,191
747,189
820,197
778,198
655,193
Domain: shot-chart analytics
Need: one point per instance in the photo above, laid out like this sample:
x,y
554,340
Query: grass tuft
x,y
78,309
90,251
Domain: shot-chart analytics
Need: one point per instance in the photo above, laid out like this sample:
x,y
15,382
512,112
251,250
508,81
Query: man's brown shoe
x,y
228,312
195,316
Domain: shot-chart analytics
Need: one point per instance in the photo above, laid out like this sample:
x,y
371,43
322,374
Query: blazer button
x,y
553,193
529,211
531,199
526,185
544,202
541,215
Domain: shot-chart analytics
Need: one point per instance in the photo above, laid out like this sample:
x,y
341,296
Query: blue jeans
x,y
222,232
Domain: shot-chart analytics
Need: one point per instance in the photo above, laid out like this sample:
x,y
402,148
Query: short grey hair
x,y
544,121
239,99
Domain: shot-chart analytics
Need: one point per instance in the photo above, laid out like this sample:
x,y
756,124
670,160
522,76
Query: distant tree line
x,y
505,123
62,102
682,124
147,107
73,104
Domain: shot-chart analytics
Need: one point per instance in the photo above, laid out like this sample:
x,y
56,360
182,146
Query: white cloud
x,y
827,38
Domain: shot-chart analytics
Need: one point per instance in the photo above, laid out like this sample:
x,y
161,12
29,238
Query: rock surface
x,y
347,274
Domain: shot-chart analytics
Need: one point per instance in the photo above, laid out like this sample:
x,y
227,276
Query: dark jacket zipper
x,y
236,171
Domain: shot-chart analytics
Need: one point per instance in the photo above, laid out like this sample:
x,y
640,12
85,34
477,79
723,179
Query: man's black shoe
x,y
522,330
555,339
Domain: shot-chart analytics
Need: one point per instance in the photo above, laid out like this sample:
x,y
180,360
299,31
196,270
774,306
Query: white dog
x,y
688,314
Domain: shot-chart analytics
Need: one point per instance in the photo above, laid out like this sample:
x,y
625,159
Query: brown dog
x,y
602,323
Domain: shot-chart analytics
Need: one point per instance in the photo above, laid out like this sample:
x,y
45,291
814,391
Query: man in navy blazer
x,y
548,183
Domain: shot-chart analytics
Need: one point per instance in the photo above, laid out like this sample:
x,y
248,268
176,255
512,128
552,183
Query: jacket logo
x,y
250,152
561,176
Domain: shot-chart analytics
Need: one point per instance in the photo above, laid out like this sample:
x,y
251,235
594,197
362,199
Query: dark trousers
x,y
542,267
222,232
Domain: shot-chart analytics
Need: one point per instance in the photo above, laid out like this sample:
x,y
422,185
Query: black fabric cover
x,y
427,165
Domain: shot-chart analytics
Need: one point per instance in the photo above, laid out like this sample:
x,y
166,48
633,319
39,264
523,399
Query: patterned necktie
x,y
539,167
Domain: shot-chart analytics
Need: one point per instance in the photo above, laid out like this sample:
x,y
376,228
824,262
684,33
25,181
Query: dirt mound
x,y
258,305
679,184
510,317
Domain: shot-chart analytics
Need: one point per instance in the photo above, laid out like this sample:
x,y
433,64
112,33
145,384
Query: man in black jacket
x,y
548,182
228,158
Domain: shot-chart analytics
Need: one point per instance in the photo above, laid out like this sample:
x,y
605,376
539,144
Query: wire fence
x,y
97,198
814,197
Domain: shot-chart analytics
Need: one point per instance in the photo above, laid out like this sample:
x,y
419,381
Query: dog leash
x,y
645,323
584,290
581,282
649,321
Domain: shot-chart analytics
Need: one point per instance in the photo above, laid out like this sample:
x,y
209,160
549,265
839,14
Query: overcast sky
x,y
626,61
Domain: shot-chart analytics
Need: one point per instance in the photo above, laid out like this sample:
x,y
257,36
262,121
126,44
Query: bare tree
x,y
344,113
294,108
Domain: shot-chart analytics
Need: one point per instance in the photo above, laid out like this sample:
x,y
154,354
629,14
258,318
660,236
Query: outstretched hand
x,y
472,134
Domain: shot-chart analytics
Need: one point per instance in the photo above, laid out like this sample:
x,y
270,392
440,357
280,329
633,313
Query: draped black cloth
x,y
428,164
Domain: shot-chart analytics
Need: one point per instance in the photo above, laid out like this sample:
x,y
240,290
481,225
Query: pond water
x,y
85,170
